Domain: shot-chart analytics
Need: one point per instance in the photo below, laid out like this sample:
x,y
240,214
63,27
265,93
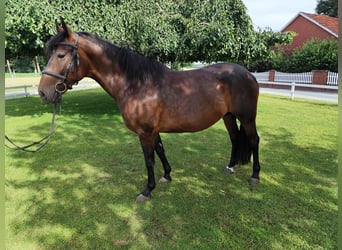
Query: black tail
x,y
244,151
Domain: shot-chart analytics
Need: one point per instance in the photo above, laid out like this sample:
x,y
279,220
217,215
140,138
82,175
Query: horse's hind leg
x,y
233,130
245,141
253,139
159,148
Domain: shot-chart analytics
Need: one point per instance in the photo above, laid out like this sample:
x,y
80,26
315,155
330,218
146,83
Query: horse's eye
x,y
61,56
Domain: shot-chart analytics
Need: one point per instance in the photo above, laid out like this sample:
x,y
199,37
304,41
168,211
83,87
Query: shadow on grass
x,y
78,193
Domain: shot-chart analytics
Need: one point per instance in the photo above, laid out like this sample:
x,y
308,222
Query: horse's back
x,y
194,100
233,74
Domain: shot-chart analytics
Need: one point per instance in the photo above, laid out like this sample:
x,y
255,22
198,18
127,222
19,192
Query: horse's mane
x,y
135,67
53,42
138,68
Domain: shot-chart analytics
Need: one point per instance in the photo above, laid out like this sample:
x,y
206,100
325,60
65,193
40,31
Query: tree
x,y
268,41
144,26
25,27
171,31
327,7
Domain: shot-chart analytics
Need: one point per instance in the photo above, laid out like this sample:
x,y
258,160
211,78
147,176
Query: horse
x,y
154,99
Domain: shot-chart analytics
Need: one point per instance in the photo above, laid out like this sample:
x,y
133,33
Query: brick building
x,y
309,26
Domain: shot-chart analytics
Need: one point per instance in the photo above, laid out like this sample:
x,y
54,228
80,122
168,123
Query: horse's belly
x,y
190,115
189,123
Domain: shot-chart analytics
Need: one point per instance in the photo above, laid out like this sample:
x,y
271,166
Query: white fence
x,y
290,90
332,78
261,76
30,90
24,91
301,78
305,77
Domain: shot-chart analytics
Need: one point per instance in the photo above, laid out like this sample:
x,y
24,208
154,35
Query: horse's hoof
x,y
142,198
229,170
253,181
164,180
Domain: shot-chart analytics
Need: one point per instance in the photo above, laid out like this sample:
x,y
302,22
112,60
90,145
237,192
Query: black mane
x,y
135,67
138,68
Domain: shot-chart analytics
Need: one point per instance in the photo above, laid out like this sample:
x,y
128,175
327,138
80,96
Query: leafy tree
x,y
268,41
327,7
26,27
172,31
143,26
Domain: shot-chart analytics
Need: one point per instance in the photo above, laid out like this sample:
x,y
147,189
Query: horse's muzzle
x,y
55,97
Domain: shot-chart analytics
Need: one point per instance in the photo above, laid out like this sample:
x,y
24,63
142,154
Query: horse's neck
x,y
105,72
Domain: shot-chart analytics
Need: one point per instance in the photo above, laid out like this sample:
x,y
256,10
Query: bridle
x,y
64,84
60,88
42,142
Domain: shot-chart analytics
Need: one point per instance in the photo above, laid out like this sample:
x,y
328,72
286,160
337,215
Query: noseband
x,y
64,84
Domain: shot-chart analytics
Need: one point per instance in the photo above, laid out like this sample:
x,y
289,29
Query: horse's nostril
x,y
42,95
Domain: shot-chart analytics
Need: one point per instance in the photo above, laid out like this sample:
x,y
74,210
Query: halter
x,y
64,84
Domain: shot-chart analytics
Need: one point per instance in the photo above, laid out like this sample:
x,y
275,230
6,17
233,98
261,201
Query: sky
x,y
276,14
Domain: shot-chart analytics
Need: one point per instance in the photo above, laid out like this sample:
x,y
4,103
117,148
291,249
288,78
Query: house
x,y
309,26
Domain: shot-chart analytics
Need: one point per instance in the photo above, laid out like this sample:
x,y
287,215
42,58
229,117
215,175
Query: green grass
x,y
79,192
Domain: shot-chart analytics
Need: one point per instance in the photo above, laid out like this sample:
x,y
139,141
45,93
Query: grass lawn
x,y
79,191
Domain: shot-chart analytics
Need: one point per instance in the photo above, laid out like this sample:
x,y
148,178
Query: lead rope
x,y
41,142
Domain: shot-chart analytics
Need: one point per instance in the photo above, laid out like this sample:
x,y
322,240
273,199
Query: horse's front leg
x,y
159,148
147,144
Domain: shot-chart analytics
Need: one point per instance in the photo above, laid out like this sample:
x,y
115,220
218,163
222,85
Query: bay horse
x,y
153,98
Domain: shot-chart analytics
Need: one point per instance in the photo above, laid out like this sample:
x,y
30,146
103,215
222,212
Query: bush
x,y
314,55
260,66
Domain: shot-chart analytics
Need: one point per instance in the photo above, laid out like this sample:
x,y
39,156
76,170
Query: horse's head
x,y
63,68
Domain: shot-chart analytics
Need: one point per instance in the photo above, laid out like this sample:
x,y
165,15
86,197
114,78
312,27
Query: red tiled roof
x,y
328,22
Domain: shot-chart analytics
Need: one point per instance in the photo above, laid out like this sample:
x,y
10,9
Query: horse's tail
x,y
244,150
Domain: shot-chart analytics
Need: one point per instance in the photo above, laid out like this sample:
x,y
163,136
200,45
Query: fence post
x,y
319,77
293,86
25,88
271,75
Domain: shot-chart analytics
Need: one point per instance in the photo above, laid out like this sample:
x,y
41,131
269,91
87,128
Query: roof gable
x,y
327,23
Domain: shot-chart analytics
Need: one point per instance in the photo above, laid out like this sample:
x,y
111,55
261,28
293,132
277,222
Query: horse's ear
x,y
65,28
58,27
